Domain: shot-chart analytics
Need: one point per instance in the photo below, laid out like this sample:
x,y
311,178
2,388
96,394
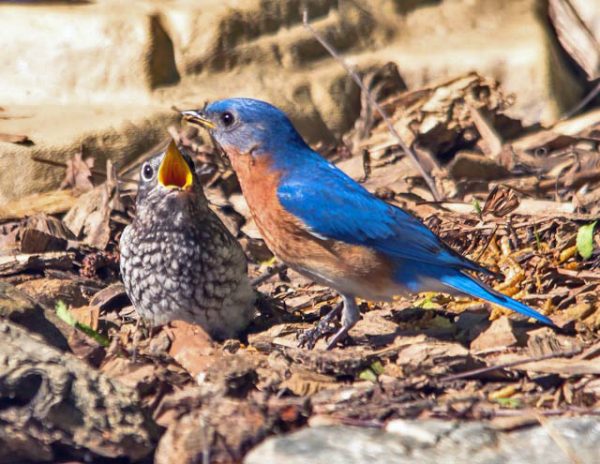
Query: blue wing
x,y
334,206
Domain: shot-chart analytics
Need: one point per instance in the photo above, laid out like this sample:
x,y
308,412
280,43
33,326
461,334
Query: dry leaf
x,y
42,233
501,201
52,202
500,334
88,315
191,347
90,216
78,174
575,36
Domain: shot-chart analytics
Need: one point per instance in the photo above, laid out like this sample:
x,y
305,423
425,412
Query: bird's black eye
x,y
147,172
227,118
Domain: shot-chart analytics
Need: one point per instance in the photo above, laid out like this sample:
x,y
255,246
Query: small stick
x,y
545,412
94,172
558,438
583,103
267,274
366,162
487,243
410,153
483,370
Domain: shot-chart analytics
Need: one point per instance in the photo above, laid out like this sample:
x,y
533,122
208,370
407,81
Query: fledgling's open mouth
x,y
174,172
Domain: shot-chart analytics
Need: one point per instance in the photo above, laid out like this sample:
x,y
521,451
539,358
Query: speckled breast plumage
x,y
179,262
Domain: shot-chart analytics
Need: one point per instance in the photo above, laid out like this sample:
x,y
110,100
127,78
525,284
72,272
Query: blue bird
x,y
328,227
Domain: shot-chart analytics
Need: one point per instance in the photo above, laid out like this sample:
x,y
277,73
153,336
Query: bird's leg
x,y
350,316
309,337
143,330
136,339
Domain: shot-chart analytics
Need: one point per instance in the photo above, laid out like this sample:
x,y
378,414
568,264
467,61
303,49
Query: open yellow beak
x,y
197,118
174,172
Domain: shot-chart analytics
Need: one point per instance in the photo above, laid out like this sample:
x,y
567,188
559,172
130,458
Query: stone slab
x,y
434,442
58,132
105,75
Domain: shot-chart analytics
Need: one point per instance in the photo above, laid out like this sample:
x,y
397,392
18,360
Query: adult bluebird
x,y
328,227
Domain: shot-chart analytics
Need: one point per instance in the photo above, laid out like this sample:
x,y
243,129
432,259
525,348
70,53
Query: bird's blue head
x,y
243,126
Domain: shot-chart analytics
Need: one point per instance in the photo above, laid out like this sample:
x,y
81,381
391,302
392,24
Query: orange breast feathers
x,y
288,237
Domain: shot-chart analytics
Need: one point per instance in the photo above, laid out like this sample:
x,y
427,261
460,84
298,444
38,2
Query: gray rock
x,y
434,442
54,407
328,445
16,306
419,434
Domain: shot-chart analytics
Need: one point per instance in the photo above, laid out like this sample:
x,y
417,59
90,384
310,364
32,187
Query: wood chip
x,y
52,202
14,138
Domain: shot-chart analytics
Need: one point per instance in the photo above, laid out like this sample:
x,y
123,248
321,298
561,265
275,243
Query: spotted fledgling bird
x,y
327,226
178,260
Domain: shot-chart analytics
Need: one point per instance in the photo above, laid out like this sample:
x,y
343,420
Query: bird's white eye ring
x,y
147,172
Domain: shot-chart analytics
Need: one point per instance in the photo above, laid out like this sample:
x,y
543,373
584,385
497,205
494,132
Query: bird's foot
x,y
141,331
350,316
137,335
308,338
338,337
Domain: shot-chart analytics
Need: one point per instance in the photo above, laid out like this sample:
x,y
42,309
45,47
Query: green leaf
x,y
585,240
372,372
86,329
477,206
368,374
377,367
65,315
511,403
427,302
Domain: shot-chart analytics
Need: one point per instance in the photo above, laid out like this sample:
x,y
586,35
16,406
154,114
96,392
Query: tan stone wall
x,y
106,73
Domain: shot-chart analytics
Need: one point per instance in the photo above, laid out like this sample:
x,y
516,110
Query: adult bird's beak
x,y
174,172
198,118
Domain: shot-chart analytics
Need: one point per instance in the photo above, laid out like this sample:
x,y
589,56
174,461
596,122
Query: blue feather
x,y
334,206
466,284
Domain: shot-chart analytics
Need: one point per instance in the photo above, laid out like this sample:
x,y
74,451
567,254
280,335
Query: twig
x,y
583,274
583,103
480,227
487,243
544,412
94,172
366,163
590,352
267,274
559,439
410,153
483,370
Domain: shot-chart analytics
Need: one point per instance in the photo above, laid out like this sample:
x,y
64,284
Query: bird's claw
x,y
308,338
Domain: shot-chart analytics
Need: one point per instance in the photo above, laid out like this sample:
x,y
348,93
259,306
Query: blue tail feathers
x,y
464,283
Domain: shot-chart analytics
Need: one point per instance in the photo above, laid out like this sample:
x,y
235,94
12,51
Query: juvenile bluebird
x,y
178,260
328,227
